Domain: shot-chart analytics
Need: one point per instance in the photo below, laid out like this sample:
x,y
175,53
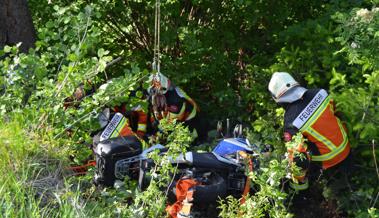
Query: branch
x,y
124,35
373,154
373,201
142,31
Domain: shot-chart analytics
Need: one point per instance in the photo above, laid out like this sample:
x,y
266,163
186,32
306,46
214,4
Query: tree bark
x,y
16,24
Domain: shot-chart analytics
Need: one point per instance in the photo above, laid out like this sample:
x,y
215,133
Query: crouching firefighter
x,y
312,113
139,120
171,102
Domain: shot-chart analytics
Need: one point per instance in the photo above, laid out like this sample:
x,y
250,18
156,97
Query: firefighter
x,y
312,113
138,119
171,102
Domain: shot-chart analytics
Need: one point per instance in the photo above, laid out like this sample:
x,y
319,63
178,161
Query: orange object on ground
x,y
182,192
81,170
246,190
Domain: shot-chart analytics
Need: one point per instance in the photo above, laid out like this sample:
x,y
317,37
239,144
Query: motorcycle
x,y
206,177
117,150
116,145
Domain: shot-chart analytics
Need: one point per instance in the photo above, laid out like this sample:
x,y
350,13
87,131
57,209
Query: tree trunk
x,y
16,24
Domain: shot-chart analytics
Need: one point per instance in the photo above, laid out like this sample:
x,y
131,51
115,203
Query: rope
x,y
157,29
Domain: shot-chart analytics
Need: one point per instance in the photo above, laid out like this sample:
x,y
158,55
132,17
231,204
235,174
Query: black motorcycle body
x,y
220,173
114,159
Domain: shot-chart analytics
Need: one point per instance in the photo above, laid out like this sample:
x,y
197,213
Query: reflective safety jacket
x,y
179,105
140,116
117,126
314,117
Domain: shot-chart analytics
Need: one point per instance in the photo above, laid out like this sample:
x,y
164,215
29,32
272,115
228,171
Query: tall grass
x,y
33,181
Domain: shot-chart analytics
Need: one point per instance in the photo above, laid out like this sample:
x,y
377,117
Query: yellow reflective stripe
x,y
141,127
192,114
182,111
332,106
321,138
316,114
334,152
119,127
299,187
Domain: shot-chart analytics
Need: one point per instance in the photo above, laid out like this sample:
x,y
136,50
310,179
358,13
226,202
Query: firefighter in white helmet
x,y
311,112
171,102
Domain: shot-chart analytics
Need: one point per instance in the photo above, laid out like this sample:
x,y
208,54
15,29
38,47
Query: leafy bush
x,y
222,53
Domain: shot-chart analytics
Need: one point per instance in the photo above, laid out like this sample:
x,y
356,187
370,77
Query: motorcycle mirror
x,y
227,134
238,131
104,117
219,130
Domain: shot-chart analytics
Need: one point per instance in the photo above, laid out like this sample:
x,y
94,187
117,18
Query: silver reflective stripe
x,y
141,127
310,109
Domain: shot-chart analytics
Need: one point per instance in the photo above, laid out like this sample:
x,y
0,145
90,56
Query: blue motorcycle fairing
x,y
231,146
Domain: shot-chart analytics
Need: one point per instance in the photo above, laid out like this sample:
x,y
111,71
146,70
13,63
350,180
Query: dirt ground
x,y
311,204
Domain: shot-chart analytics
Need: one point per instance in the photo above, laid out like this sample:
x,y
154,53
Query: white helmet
x,y
284,88
159,82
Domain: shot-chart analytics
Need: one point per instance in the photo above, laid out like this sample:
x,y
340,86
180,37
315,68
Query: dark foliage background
x,y
222,53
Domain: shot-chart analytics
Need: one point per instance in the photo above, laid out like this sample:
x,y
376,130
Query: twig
x,y
169,186
290,201
75,122
373,154
172,180
113,62
74,64
377,172
376,199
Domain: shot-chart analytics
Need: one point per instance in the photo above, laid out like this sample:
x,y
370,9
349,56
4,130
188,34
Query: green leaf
x,y
72,57
102,65
7,49
100,52
139,94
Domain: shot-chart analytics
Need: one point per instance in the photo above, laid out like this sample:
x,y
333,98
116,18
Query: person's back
x,y
310,112
313,115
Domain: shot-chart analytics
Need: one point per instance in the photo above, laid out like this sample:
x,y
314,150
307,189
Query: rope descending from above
x,y
157,28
